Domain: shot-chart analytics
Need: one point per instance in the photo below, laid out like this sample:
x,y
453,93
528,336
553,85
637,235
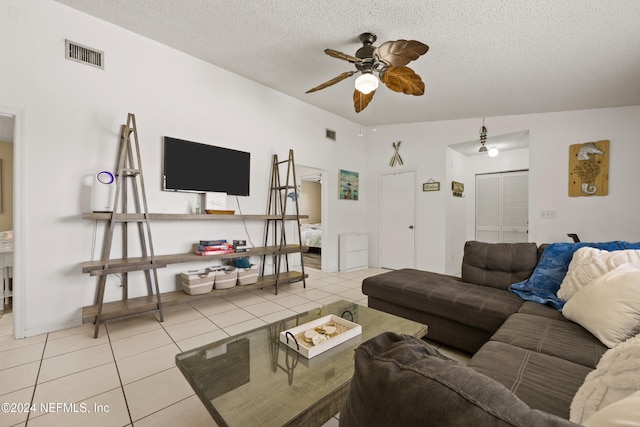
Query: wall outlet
x,y
548,214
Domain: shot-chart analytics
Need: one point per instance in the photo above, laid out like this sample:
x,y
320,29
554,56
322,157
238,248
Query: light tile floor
x,y
127,376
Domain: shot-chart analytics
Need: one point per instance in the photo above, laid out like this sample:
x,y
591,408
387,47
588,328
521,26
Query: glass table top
x,y
254,379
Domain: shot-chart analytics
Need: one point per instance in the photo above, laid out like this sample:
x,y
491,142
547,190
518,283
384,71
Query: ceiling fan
x,y
389,61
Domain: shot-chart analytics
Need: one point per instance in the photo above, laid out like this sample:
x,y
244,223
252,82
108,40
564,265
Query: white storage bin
x,y
197,282
248,276
226,278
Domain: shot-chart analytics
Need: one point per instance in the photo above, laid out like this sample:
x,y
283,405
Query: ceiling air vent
x,y
77,52
330,134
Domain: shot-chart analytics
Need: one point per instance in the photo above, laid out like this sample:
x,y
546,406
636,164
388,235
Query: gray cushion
x,y
558,338
402,381
498,264
446,331
543,382
482,307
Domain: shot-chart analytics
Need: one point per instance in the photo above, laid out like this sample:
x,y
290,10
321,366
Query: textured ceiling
x,y
486,58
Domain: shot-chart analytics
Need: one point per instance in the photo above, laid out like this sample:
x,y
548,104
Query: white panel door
x,y
502,207
397,215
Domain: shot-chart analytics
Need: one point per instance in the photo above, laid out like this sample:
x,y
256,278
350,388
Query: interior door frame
x,y
324,218
413,192
18,299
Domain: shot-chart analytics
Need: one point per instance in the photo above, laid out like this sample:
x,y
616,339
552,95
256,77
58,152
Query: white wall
x,y
72,117
424,147
456,209
610,217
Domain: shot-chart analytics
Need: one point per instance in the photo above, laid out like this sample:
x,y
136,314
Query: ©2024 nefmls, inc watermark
x,y
54,407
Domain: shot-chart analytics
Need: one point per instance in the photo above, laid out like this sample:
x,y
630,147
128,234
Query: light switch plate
x,y
548,214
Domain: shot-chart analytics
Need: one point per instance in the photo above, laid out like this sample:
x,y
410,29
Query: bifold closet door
x,y
502,207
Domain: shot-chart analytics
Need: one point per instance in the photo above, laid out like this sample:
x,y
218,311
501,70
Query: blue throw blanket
x,y
545,281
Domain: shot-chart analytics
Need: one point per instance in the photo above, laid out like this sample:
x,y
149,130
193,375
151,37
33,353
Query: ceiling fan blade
x,y
403,79
343,56
332,81
360,100
400,52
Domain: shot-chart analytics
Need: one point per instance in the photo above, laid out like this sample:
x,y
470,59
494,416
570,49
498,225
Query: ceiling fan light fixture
x,y
366,83
389,60
483,149
493,152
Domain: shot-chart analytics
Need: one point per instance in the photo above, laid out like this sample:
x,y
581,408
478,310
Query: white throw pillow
x,y
588,264
608,307
623,413
615,378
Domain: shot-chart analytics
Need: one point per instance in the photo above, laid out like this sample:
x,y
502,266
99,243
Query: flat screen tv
x,y
201,168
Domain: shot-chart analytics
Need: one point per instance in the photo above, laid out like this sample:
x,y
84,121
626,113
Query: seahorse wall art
x,y
589,169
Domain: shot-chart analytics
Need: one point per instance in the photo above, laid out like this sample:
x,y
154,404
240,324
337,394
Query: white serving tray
x,y
309,350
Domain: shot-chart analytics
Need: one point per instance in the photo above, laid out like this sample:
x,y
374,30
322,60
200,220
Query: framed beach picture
x,y
348,185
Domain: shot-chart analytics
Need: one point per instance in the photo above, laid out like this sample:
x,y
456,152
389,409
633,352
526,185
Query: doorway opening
x,y
7,126
311,203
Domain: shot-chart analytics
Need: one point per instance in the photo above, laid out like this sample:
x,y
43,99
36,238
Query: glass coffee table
x,y
254,379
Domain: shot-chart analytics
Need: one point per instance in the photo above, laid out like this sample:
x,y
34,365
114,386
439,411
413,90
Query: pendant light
x,y
483,138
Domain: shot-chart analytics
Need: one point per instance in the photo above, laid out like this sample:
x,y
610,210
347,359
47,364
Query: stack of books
x,y
240,246
214,247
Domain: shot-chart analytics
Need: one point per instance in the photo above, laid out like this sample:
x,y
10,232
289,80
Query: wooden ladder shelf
x,y
275,227
129,173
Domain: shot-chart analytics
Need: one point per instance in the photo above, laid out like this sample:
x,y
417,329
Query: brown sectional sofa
x,y
529,348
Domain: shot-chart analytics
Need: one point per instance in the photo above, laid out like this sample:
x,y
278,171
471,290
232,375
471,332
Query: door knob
x,y
411,227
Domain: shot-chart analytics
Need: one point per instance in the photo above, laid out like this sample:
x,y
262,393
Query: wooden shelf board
x,y
126,268
116,309
122,217
130,264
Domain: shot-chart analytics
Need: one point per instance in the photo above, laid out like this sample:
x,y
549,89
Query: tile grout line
x,y
162,409
167,332
240,308
207,317
171,336
115,362
164,370
35,384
